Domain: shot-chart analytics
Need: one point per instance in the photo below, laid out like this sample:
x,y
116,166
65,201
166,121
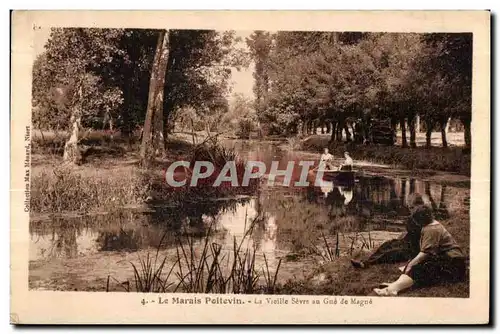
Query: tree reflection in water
x,y
284,218
372,203
62,235
169,223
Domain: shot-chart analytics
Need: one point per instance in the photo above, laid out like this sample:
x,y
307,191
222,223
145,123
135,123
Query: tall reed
x,y
207,269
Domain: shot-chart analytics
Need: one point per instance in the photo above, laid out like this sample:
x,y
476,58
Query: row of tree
x,y
128,78
348,79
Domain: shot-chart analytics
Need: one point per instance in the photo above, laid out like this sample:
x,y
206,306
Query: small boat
x,y
340,176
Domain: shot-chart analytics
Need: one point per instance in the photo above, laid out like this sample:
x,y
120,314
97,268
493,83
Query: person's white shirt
x,y
325,161
348,161
326,157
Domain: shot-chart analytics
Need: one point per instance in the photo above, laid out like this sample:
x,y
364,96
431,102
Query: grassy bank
x,y
452,159
340,278
86,190
111,177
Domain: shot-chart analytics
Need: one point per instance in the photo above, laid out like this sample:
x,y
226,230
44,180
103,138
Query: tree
x,y
394,58
152,138
105,75
260,43
451,59
199,69
242,115
71,64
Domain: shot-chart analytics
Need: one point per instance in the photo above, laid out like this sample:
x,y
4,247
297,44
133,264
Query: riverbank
x,y
339,277
310,275
310,236
111,177
451,159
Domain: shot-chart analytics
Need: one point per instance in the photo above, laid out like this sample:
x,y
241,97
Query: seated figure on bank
x,y
431,253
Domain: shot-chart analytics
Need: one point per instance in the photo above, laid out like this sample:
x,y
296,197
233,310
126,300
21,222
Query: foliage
x,y
113,66
347,78
69,76
241,116
209,269
63,190
259,44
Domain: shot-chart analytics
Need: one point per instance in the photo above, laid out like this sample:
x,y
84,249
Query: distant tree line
x,y
128,78
345,80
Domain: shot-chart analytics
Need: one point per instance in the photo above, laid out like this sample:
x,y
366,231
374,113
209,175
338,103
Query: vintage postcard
x,y
246,167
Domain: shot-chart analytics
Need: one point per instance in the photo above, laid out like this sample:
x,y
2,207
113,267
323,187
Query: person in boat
x,y
348,163
326,160
440,258
400,249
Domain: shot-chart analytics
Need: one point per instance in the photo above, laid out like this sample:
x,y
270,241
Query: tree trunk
x,y
443,137
443,132
167,127
428,134
412,186
327,127
417,124
442,200
402,123
334,132
467,132
72,152
411,124
339,131
152,139
347,132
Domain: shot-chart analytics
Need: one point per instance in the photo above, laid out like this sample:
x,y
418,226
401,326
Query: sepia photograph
x,y
200,165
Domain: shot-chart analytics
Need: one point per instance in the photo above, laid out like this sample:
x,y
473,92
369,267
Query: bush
x,y
219,156
48,142
245,127
69,190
